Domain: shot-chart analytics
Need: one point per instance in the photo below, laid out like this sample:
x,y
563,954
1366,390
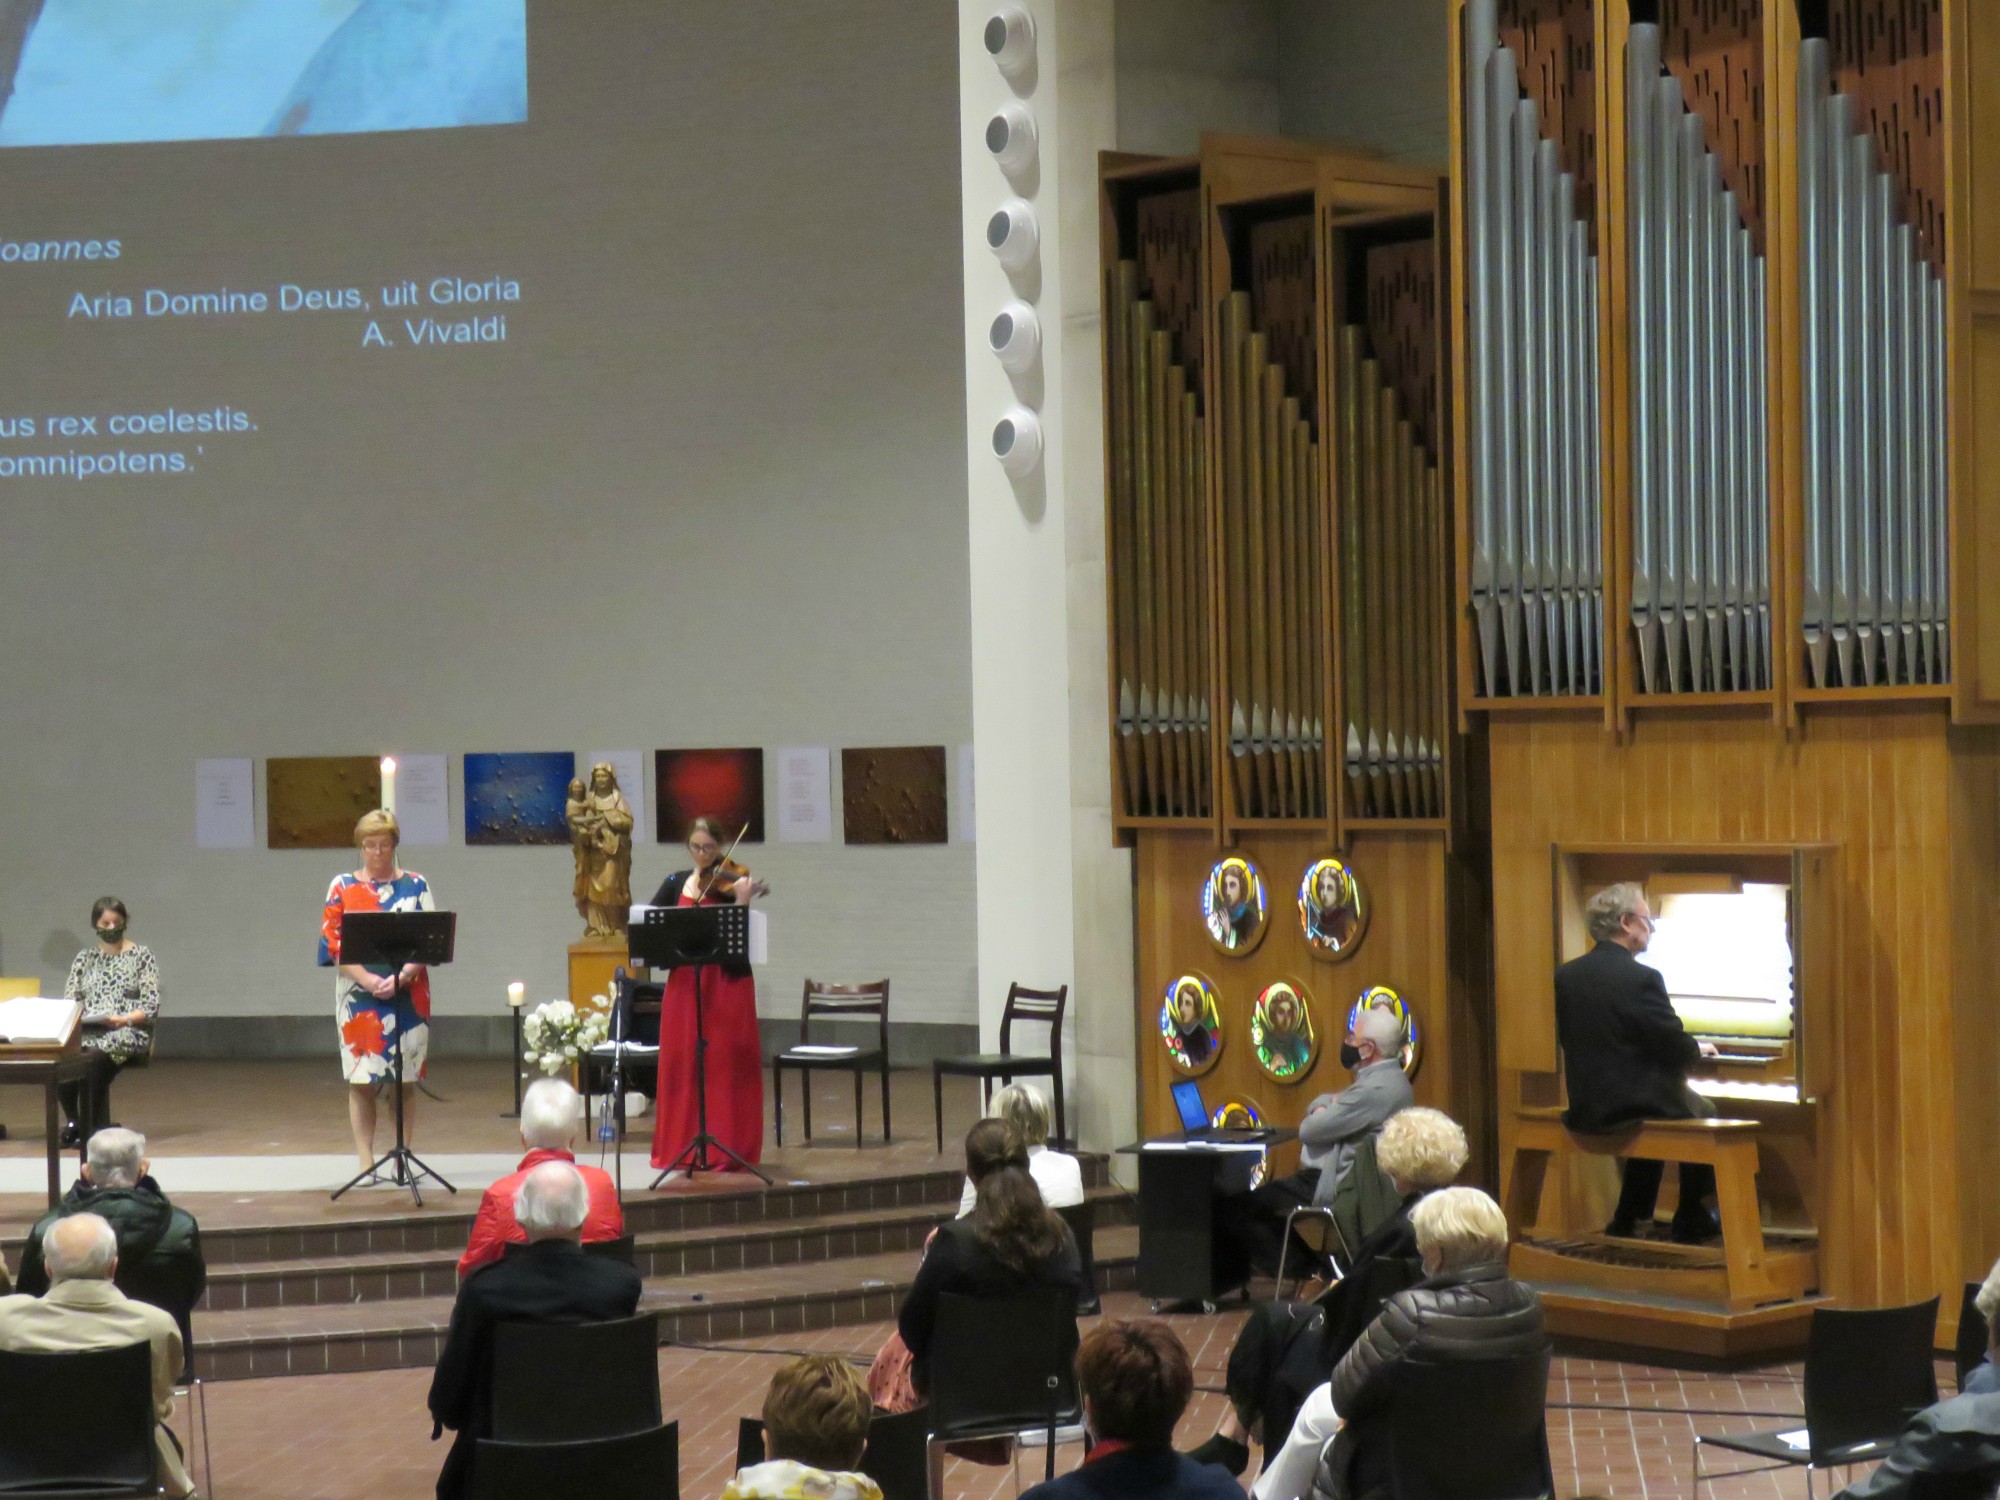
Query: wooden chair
x,y
1023,1004
849,1002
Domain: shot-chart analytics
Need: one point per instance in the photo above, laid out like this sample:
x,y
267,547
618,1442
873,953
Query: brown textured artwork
x,y
1714,49
894,795
1402,328
1168,229
1554,47
1281,302
1889,56
314,801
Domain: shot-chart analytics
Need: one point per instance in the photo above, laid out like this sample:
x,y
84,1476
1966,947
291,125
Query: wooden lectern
x,y
49,1052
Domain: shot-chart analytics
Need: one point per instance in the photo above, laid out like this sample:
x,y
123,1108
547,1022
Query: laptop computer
x,y
1195,1118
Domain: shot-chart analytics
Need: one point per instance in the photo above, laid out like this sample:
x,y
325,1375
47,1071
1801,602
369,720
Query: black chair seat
x,y
1970,1348
839,1002
639,1466
993,1064
610,1386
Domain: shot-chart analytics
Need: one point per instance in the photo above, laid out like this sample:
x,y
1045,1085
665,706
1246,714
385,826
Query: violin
x,y
726,872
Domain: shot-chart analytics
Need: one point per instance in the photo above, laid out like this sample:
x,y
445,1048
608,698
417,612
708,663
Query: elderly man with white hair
x,y
1626,1056
548,1279
82,1309
550,1113
1250,1227
159,1245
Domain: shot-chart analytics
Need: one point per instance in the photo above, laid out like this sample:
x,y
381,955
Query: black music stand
x,y
671,937
386,938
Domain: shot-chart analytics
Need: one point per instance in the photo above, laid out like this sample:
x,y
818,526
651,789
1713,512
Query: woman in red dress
x,y
729,1018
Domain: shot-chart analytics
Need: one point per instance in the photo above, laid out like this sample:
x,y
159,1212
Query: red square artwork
x,y
724,785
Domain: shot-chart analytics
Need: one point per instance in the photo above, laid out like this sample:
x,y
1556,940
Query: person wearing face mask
x,y
117,982
1250,1227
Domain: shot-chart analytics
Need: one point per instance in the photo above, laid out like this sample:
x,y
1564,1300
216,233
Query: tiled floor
x,y
346,1437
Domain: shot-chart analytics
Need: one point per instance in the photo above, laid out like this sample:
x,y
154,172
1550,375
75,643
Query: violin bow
x,y
709,879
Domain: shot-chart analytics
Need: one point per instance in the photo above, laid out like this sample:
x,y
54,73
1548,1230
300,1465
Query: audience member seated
x,y
1286,1349
1250,1227
1465,1308
83,1309
815,1428
550,1113
1952,1448
1135,1379
1009,1243
1983,1379
546,1280
1058,1174
159,1245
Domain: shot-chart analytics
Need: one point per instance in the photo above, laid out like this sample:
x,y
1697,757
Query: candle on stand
x,y
389,783
516,993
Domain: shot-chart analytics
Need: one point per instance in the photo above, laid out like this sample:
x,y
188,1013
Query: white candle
x,y
389,782
517,992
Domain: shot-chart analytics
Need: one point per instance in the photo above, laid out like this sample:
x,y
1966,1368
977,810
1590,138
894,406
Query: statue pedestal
x,y
592,963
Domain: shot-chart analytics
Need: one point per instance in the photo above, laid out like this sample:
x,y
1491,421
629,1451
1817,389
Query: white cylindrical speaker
x,y
1015,337
1017,441
1013,235
1010,39
1011,137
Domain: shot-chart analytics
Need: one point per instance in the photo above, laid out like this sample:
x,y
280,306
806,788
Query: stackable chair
x,y
835,1002
1023,1004
77,1424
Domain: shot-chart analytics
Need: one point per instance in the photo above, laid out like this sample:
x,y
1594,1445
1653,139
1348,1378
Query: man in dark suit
x,y
1627,1056
547,1280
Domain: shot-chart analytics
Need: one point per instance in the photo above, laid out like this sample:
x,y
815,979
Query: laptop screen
x,y
1187,1099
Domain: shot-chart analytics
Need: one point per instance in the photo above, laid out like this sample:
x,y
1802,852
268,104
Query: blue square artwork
x,y
518,798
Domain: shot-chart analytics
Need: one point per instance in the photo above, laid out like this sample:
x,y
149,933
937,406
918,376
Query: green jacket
x,y
159,1246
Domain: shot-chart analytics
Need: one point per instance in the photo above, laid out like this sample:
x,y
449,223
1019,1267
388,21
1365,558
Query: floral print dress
x,y
116,984
369,1027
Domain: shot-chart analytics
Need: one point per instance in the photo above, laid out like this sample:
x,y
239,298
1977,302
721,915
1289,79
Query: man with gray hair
x,y
83,1309
1627,1056
550,1110
159,1245
547,1279
1250,1227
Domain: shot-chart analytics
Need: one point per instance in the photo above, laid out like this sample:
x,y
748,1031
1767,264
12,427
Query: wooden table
x,y
40,1066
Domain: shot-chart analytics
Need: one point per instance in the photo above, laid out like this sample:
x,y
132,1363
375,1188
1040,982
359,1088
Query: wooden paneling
x,y
1714,48
1901,794
1414,895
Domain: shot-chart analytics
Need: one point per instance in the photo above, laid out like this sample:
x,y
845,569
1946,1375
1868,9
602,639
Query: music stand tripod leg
x,y
407,1168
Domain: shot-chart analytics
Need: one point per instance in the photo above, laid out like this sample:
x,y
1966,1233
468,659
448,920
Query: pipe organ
x,y
1771,222
1285,760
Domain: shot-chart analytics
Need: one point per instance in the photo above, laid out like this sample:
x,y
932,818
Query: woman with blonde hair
x,y
1058,1174
1288,1348
378,1008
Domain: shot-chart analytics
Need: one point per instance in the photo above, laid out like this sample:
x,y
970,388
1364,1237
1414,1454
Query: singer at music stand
x,y
668,938
392,939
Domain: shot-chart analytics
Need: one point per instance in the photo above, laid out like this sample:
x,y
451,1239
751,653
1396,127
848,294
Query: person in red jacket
x,y
550,1110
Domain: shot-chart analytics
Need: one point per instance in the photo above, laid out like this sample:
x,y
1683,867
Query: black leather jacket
x,y
1472,1314
1959,1437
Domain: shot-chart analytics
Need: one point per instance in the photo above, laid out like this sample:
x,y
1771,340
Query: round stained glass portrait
x,y
1241,1114
1233,906
1281,1032
1332,914
1191,1024
1387,999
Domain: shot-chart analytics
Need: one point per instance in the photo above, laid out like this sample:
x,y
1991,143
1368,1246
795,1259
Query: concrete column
x,y
1054,896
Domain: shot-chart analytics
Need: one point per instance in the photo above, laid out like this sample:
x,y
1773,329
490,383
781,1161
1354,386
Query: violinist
x,y
728,1019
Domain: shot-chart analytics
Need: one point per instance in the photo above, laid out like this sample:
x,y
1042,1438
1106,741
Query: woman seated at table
x,y
1058,1174
1009,1244
117,982
1467,1308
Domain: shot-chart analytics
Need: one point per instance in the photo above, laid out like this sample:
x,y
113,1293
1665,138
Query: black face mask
x,y
112,934
1350,1056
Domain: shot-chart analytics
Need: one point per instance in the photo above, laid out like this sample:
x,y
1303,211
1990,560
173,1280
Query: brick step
x,y
377,1276
400,1333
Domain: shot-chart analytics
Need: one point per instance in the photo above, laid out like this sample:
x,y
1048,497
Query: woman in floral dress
x,y
117,982
377,1007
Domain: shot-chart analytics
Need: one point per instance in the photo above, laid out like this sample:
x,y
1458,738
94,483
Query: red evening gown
x,y
735,1063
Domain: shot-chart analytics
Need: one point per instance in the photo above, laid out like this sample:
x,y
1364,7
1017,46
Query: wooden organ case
x,y
1724,360
1287,759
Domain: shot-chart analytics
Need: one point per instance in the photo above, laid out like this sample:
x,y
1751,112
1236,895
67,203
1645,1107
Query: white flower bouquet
x,y
558,1034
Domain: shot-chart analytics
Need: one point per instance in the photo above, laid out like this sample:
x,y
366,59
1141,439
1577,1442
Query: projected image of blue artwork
x,y
95,72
